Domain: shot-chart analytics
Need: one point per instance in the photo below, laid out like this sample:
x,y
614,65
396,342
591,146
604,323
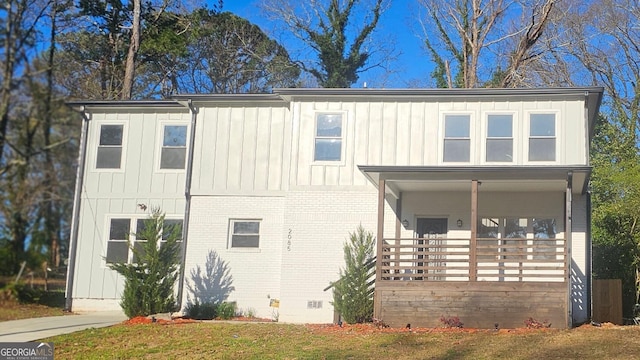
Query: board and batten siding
x,y
116,193
142,142
411,134
241,149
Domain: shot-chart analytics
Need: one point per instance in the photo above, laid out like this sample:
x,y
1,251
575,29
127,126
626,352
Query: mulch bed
x,y
367,328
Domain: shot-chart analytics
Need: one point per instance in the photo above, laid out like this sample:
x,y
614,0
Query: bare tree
x,y
19,28
605,38
462,35
338,32
134,45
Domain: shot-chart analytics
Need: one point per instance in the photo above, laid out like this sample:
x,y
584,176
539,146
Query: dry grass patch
x,y
215,340
12,310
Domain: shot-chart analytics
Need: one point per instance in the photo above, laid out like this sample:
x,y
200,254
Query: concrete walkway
x,y
40,328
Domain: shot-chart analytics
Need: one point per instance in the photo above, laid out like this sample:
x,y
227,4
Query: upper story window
x,y
244,234
499,138
174,147
110,147
125,230
457,140
328,137
542,137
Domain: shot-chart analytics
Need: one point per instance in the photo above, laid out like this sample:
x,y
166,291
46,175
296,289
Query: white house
x,y
479,199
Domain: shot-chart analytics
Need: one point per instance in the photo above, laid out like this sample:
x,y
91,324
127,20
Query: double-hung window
x,y
174,147
457,140
499,138
542,137
110,147
117,245
328,137
245,234
125,231
140,239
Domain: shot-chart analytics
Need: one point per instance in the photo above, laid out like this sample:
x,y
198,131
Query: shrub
x,y
227,310
204,311
353,292
149,283
532,323
250,313
451,322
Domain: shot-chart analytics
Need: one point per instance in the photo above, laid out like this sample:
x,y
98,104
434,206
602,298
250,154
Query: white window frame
x,y
98,132
133,229
160,145
513,138
443,138
232,233
342,137
556,136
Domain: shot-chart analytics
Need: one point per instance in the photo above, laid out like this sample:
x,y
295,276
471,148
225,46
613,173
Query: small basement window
x,y
245,234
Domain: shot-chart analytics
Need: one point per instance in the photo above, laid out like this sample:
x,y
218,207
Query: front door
x,y
431,232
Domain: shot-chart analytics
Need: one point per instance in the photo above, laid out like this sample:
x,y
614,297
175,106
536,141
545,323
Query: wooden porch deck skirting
x,y
478,304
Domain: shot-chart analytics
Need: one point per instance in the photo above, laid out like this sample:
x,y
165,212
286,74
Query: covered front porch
x,y
489,245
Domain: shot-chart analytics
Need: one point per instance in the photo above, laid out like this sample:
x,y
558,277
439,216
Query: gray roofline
x,y
124,103
437,91
593,95
228,97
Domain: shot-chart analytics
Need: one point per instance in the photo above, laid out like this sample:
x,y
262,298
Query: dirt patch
x,y
144,320
178,320
370,328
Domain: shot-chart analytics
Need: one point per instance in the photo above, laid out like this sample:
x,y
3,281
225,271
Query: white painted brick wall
x,y
318,223
255,272
579,260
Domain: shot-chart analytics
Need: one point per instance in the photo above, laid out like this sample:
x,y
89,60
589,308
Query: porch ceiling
x,y
509,178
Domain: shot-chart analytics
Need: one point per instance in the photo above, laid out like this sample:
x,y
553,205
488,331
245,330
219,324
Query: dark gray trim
x,y
471,169
589,259
568,235
227,97
581,91
125,103
472,172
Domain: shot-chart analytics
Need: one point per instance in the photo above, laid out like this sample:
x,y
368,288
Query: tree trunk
x,y
129,72
7,78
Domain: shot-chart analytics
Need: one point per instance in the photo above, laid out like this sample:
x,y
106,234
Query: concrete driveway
x,y
39,328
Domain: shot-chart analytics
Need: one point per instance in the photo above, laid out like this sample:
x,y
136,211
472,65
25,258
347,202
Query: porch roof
x,y
493,178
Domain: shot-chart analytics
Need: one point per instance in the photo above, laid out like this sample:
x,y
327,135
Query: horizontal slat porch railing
x,y
449,259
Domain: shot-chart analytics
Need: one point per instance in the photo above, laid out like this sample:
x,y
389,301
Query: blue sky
x,y
397,24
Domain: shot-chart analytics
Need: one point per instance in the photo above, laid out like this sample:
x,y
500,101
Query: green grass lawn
x,y
209,340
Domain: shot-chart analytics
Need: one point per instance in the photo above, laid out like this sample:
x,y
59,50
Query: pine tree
x,y
150,279
353,292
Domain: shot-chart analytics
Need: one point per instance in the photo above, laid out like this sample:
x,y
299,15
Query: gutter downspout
x,y
187,194
73,241
589,258
568,230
